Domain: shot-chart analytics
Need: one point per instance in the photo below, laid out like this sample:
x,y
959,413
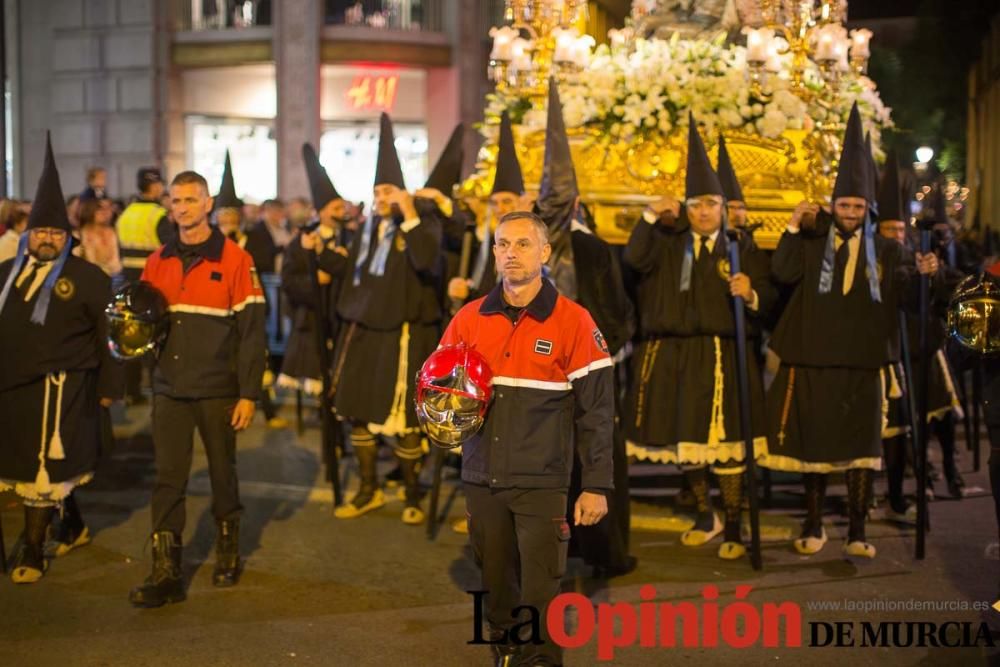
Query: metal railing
x,y
422,15
220,14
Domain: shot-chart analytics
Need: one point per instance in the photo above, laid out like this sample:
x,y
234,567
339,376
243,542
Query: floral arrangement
x,y
648,91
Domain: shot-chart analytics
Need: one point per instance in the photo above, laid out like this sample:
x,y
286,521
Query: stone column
x,y
297,25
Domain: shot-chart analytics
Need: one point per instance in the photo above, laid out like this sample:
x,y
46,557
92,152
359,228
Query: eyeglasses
x,y
54,234
697,204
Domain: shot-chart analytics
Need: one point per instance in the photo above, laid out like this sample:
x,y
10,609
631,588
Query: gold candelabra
x,y
539,38
794,33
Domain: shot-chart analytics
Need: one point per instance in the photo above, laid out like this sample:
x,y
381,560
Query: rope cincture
x,y
56,452
717,424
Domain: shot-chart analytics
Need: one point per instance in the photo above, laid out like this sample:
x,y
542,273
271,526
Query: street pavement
x,y
372,591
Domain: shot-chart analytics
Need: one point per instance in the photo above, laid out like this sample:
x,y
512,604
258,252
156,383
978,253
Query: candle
x,y
565,51
521,55
582,47
859,43
503,39
758,43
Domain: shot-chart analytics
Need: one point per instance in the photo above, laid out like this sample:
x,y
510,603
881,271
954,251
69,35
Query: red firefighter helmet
x,y
454,388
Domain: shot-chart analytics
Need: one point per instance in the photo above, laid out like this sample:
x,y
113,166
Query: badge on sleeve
x,y
602,344
254,278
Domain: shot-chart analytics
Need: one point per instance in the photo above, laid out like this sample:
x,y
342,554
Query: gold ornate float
x,y
781,103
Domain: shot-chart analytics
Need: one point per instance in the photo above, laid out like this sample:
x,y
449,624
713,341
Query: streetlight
x,y
925,154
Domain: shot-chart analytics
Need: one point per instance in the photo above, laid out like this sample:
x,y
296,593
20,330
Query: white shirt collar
x,y
711,237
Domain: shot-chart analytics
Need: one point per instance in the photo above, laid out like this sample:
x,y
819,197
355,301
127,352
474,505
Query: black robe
x,y
601,290
72,340
688,347
827,404
298,281
376,312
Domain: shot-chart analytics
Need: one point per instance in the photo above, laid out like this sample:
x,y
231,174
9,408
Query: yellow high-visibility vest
x,y
137,232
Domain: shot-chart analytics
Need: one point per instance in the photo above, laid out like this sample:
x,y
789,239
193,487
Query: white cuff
x,y
408,225
650,217
792,230
754,302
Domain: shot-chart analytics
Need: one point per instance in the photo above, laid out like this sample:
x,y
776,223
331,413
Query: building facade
x,y
127,83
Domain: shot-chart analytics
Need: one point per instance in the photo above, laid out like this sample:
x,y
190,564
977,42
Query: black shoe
x,y
956,485
31,564
166,583
228,565
504,655
609,572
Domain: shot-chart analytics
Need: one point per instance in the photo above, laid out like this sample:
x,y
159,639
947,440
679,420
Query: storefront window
x,y
349,151
252,149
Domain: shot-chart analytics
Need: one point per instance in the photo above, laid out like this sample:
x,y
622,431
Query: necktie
x,y
703,252
29,279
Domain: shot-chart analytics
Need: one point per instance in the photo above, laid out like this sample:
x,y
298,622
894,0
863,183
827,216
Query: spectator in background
x,y
98,240
15,222
97,184
268,238
72,208
300,212
251,211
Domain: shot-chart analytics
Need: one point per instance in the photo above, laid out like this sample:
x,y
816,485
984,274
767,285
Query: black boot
x,y
31,565
369,496
412,514
504,655
228,565
166,583
71,532
945,431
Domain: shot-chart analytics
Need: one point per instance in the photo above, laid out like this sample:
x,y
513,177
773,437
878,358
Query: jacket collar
x,y
540,307
210,250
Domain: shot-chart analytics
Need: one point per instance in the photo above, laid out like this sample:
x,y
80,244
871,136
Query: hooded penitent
x,y
508,175
227,191
854,179
699,180
557,196
387,169
48,210
320,186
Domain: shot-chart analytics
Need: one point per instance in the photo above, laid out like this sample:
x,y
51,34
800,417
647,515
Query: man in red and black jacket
x,y
208,376
553,396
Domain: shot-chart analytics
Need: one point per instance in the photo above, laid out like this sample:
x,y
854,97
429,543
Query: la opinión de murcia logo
x,y
707,623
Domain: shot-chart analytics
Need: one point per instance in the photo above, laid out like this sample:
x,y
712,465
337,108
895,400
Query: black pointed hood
x,y
448,170
727,175
892,200
701,179
226,198
388,170
558,191
508,175
854,172
48,208
320,186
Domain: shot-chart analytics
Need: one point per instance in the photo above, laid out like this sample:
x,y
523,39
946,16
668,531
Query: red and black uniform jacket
x,y
216,346
552,393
